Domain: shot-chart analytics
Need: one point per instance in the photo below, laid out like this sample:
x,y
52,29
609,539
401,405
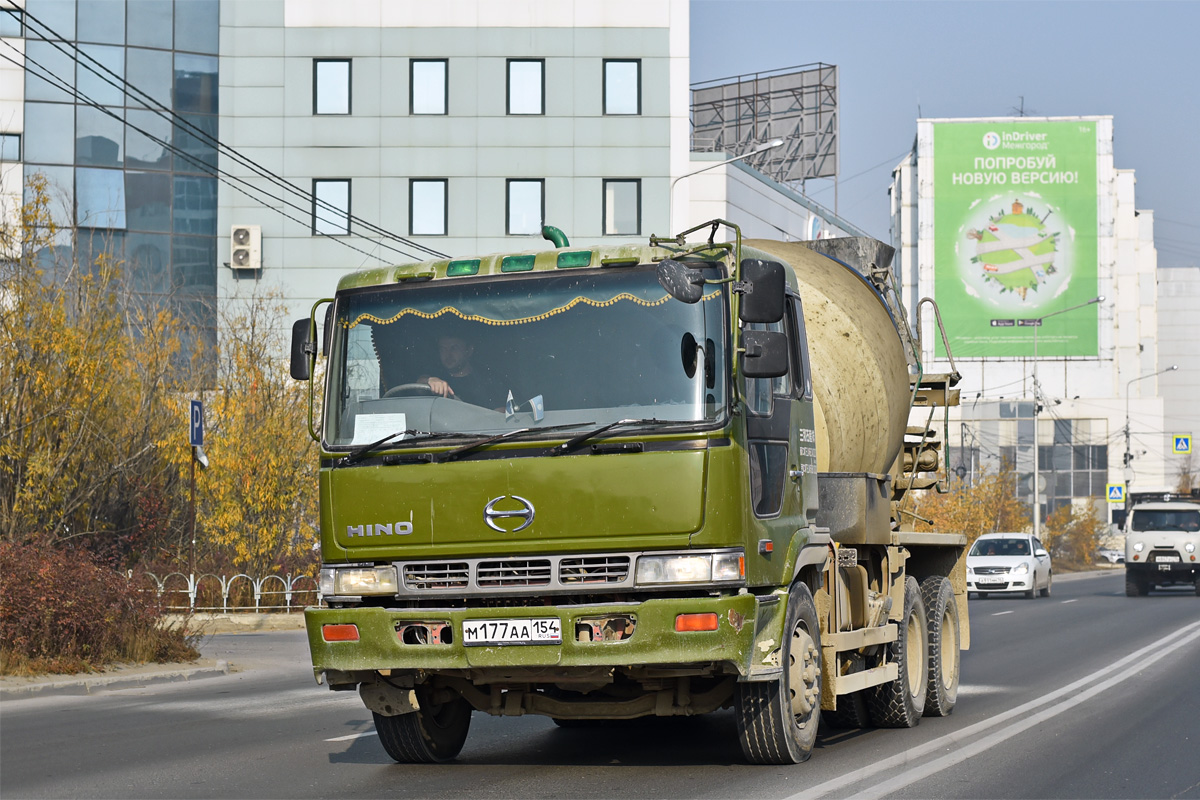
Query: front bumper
x,y
742,619
1007,584
1176,571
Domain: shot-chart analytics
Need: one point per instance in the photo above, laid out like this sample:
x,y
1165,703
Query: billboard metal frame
x,y
796,104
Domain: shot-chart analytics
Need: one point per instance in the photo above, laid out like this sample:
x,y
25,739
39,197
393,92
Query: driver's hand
x,y
439,387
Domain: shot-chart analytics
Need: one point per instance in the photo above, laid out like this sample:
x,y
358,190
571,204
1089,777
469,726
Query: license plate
x,y
991,583
1164,567
479,632
1166,559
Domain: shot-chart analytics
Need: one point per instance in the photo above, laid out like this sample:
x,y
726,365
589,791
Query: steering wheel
x,y
408,389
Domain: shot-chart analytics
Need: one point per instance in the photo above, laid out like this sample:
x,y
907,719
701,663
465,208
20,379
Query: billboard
x,y
1015,236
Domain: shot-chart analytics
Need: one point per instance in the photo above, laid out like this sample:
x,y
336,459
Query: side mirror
x,y
327,332
1041,553
303,349
681,282
762,297
766,354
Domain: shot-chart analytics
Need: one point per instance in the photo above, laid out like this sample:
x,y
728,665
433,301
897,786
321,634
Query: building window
x,y
526,86
428,89
427,207
622,207
526,207
331,207
10,147
100,198
331,86
622,87
12,22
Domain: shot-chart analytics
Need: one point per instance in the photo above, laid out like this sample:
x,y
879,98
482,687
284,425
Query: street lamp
x,y
1128,454
1037,324
762,148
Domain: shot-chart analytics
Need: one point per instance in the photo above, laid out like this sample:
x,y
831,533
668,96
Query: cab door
x,y
780,449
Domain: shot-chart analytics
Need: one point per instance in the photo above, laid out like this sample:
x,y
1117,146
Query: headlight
x,y
1137,547
970,571
690,568
358,581
1190,547
1021,569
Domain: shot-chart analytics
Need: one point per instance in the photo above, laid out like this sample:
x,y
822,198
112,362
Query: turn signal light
x,y
696,622
340,633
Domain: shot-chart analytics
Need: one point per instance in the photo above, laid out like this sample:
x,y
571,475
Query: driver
x,y
461,379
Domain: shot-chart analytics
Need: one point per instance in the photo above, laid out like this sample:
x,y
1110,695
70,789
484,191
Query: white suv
x,y
1005,563
1161,544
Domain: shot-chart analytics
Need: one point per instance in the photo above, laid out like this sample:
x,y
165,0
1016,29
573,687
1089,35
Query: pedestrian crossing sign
x,y
1183,444
1116,492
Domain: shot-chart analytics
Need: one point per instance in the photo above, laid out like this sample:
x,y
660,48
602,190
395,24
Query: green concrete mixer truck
x,y
603,483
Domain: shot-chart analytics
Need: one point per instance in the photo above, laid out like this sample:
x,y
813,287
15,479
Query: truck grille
x,y
562,574
513,572
436,575
597,569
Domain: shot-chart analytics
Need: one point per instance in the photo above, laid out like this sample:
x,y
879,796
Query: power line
x,y
50,77
171,116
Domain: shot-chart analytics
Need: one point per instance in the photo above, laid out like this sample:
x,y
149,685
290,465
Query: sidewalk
x,y
127,676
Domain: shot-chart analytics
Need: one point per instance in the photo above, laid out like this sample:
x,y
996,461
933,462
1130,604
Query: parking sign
x,y
196,424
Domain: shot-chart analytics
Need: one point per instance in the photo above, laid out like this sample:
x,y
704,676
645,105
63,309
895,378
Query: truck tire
x,y
1198,586
1135,585
777,720
851,712
900,703
434,733
941,611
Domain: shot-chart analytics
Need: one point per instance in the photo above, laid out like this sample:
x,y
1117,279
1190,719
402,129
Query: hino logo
x,y
379,529
525,512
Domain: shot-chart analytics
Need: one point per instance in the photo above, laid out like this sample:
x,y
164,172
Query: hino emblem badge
x,y
525,512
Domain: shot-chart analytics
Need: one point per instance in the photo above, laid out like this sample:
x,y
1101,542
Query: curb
x,y
120,678
241,622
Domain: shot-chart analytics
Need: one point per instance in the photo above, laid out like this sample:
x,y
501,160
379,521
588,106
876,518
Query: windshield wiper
x,y
574,442
354,456
451,455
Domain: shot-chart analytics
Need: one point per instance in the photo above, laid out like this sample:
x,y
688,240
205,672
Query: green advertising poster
x,y
1015,210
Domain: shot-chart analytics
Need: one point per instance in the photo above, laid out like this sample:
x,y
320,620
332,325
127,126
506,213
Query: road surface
x,y
1083,694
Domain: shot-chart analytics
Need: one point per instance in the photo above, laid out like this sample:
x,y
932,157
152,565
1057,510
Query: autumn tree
x,y
988,505
85,376
257,501
1187,477
1073,534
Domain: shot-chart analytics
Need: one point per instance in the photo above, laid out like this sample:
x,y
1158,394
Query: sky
x,y
899,60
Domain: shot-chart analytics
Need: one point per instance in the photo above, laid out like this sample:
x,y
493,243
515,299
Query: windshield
x,y
487,356
1000,547
1166,520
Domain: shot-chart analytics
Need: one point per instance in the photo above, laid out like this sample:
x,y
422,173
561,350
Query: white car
x,y
1006,563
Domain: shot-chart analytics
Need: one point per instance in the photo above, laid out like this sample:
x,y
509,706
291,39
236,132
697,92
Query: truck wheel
x,y
1198,586
434,733
1135,586
900,703
942,624
777,720
1049,582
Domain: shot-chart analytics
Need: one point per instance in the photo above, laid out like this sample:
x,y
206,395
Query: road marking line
x,y
1140,658
1002,613
1073,600
348,737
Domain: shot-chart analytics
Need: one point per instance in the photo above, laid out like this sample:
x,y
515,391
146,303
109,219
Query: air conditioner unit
x,y
245,243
